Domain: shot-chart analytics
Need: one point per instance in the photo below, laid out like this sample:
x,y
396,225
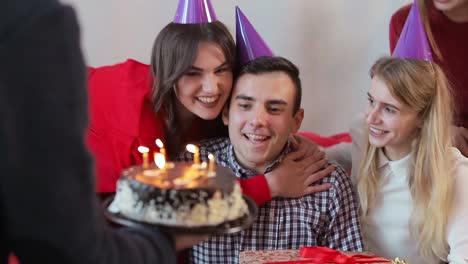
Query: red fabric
x,y
256,188
327,141
452,40
121,119
13,259
323,255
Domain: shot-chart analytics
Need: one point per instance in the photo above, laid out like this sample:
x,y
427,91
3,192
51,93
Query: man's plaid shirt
x,y
327,218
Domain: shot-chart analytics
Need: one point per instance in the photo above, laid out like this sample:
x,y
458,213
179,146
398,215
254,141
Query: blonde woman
x,y
446,25
411,182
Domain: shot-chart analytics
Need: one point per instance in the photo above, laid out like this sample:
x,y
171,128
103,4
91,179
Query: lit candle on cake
x,y
211,165
196,153
144,151
161,147
160,161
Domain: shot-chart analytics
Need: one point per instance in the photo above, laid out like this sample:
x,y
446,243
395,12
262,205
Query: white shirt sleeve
x,y
458,222
341,153
348,155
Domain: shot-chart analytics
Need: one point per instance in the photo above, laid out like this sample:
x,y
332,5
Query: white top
x,y
387,231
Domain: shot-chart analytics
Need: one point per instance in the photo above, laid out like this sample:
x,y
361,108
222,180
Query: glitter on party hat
x,y
413,39
194,12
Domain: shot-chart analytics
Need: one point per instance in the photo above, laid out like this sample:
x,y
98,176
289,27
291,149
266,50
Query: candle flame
x,y
159,143
160,160
143,149
211,166
191,148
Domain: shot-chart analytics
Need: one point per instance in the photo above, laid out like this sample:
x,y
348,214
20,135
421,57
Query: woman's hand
x,y
299,142
298,170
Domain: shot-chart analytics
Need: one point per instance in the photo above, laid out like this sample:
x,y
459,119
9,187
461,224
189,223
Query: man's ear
x,y
298,117
225,114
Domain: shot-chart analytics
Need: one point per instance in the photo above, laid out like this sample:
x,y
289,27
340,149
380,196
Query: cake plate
x,y
229,227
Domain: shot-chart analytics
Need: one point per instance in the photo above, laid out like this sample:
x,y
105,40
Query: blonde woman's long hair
x,y
422,86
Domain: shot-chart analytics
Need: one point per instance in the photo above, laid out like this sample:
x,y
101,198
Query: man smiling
x,y
264,111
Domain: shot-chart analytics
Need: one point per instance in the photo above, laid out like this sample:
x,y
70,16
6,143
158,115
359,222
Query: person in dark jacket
x,y
48,210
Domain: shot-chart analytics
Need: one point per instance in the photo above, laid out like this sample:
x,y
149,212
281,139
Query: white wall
x,y
333,42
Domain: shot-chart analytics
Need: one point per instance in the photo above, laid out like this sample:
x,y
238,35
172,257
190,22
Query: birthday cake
x,y
181,195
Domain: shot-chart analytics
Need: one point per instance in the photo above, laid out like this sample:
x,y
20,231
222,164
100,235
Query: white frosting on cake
x,y
204,211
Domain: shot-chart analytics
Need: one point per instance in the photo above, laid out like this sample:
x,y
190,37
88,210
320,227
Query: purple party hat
x,y
413,40
250,44
194,12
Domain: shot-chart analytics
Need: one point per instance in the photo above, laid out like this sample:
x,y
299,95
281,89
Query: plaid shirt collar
x,y
246,173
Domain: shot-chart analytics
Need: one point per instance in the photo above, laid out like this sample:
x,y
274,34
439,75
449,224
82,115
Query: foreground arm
x,y
293,177
48,209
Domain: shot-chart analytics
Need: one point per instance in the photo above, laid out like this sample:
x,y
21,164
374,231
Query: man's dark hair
x,y
275,64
